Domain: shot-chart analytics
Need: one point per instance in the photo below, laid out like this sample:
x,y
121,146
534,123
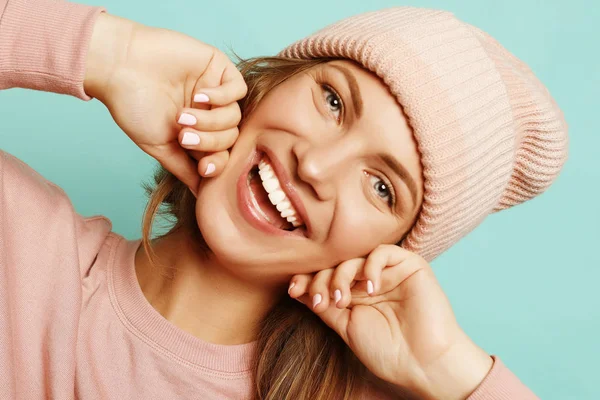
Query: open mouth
x,y
269,198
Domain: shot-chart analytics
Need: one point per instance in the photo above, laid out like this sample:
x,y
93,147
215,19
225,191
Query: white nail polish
x,y
210,169
291,286
190,138
187,119
201,98
370,288
337,296
317,300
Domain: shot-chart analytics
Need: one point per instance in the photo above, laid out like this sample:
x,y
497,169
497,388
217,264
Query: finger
x,y
192,139
299,285
213,164
319,290
210,78
343,279
216,119
175,160
232,88
405,263
337,319
196,155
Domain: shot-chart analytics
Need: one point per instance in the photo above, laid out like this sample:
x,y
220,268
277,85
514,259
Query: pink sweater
x,y
74,322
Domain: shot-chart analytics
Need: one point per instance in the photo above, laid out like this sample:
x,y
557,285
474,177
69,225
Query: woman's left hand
x,y
392,312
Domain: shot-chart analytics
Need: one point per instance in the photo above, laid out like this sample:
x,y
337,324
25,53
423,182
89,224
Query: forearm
x,y
108,47
44,43
458,373
469,373
454,375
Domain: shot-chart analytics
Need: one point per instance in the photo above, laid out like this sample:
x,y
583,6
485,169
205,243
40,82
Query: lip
x,y
288,188
247,204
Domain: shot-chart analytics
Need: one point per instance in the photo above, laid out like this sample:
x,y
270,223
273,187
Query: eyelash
x,y
380,178
327,88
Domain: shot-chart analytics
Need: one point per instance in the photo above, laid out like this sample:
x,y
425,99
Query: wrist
x,y
457,373
108,48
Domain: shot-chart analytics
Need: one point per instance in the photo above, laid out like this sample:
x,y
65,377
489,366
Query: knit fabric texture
x,y
490,135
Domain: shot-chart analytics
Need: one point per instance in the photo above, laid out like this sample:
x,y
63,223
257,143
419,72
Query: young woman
x,y
297,264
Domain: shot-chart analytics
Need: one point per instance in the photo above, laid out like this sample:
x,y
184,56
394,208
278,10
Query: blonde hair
x,y
298,357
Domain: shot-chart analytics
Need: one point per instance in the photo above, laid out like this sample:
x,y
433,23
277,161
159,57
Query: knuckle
x,y
301,281
338,279
222,156
236,115
243,88
207,142
382,249
228,138
210,123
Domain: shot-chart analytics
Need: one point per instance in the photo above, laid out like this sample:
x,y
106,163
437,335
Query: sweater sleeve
x,y
46,249
44,43
501,384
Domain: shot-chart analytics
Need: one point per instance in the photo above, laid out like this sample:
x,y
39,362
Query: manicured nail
x,y
187,119
316,300
201,98
291,287
337,295
210,169
370,289
190,138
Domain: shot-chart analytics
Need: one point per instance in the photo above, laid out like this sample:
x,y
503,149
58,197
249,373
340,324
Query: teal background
x,y
524,285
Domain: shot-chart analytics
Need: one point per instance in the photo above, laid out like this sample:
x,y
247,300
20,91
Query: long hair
x,y
298,357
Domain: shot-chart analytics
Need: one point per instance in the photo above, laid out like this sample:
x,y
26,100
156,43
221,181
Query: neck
x,y
199,295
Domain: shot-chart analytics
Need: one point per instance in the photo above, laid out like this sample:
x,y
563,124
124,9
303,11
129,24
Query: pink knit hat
x,y
489,133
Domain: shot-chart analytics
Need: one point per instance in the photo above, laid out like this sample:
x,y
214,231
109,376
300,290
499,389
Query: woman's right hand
x,y
150,79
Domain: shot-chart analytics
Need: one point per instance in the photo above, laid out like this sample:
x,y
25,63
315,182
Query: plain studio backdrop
x,y
524,285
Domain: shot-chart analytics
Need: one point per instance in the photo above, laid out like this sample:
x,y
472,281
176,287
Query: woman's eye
x,y
382,189
333,102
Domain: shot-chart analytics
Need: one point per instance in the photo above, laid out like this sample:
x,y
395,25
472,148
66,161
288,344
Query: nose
x,y
322,166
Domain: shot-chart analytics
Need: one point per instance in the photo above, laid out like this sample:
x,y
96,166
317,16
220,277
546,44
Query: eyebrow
x,y
354,89
399,170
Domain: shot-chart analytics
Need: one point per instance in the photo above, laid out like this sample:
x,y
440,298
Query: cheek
x,y
288,109
357,230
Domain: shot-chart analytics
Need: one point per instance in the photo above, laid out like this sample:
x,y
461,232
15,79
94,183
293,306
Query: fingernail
x,y
210,169
291,287
337,295
370,287
201,98
187,119
316,300
190,138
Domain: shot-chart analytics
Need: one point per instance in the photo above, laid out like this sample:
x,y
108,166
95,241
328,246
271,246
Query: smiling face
x,y
330,150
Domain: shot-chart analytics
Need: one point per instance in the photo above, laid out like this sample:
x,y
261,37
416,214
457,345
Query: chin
x,y
232,243
243,250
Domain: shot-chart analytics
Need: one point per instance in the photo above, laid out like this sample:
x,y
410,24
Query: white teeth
x,y
270,184
288,213
276,195
266,173
283,205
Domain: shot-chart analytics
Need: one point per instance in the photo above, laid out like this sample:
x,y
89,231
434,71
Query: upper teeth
x,y
276,195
